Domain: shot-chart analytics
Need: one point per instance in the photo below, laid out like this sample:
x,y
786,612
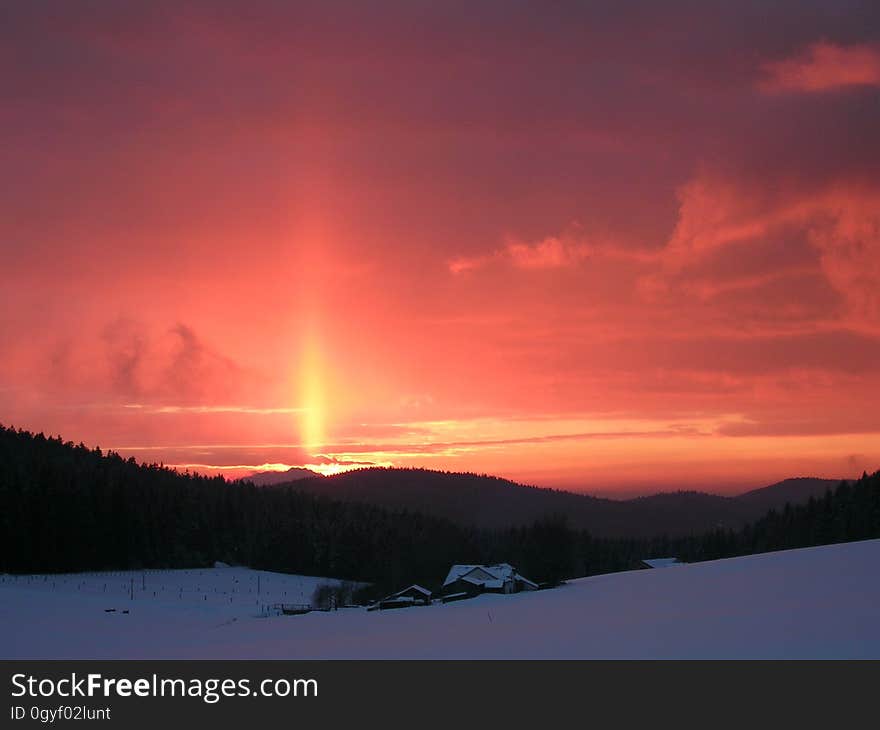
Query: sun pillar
x,y
312,421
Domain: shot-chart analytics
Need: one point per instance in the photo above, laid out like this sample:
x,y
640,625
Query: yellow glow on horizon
x,y
234,471
331,469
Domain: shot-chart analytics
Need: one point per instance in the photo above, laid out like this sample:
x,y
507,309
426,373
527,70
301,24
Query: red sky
x,y
614,247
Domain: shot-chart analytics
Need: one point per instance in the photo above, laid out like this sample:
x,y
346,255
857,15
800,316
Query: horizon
x,y
622,492
607,491
595,251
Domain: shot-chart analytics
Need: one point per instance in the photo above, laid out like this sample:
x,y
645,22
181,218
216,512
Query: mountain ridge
x,y
494,502
264,478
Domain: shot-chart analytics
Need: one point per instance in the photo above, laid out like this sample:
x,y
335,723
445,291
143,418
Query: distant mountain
x,y
491,502
795,490
295,473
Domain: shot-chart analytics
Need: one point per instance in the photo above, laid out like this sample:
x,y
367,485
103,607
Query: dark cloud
x,y
125,343
196,371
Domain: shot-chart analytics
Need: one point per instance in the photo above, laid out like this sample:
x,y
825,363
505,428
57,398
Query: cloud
x,y
236,409
194,371
550,253
803,427
838,221
125,344
567,250
824,66
235,456
715,211
127,361
217,463
849,241
468,263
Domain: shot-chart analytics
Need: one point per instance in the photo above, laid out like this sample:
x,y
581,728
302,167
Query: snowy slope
x,y
812,603
222,591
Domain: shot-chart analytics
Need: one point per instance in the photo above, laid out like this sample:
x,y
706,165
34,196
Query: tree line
x,y
68,508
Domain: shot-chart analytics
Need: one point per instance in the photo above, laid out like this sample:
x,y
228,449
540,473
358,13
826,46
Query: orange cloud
x,y
568,249
840,221
549,253
715,212
823,66
849,241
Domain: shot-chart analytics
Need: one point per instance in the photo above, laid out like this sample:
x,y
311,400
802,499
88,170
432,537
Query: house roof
x,y
488,576
662,562
522,578
457,571
414,587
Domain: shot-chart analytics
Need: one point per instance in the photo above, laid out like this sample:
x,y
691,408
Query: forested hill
x,y
494,503
65,508
69,508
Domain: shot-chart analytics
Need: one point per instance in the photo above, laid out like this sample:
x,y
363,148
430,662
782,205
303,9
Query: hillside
x,y
794,491
494,503
813,603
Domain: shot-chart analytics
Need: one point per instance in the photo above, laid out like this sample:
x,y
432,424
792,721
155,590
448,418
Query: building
x,y
474,579
414,595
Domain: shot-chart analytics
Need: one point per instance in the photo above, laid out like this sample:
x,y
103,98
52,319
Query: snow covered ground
x,y
811,603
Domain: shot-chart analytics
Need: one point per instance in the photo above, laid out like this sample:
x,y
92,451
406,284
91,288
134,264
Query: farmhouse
x,y
474,579
414,595
416,592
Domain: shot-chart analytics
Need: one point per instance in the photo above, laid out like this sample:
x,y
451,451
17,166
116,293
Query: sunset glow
x,y
582,249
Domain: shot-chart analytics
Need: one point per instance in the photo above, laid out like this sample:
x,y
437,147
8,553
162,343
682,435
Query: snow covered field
x,y
811,603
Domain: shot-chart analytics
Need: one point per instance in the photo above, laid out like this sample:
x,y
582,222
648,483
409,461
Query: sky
x,y
615,247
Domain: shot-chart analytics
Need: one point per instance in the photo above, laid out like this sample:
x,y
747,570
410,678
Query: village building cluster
x,y
462,582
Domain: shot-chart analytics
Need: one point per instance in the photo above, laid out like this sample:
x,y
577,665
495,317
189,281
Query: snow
x,y
490,576
457,571
40,609
811,603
